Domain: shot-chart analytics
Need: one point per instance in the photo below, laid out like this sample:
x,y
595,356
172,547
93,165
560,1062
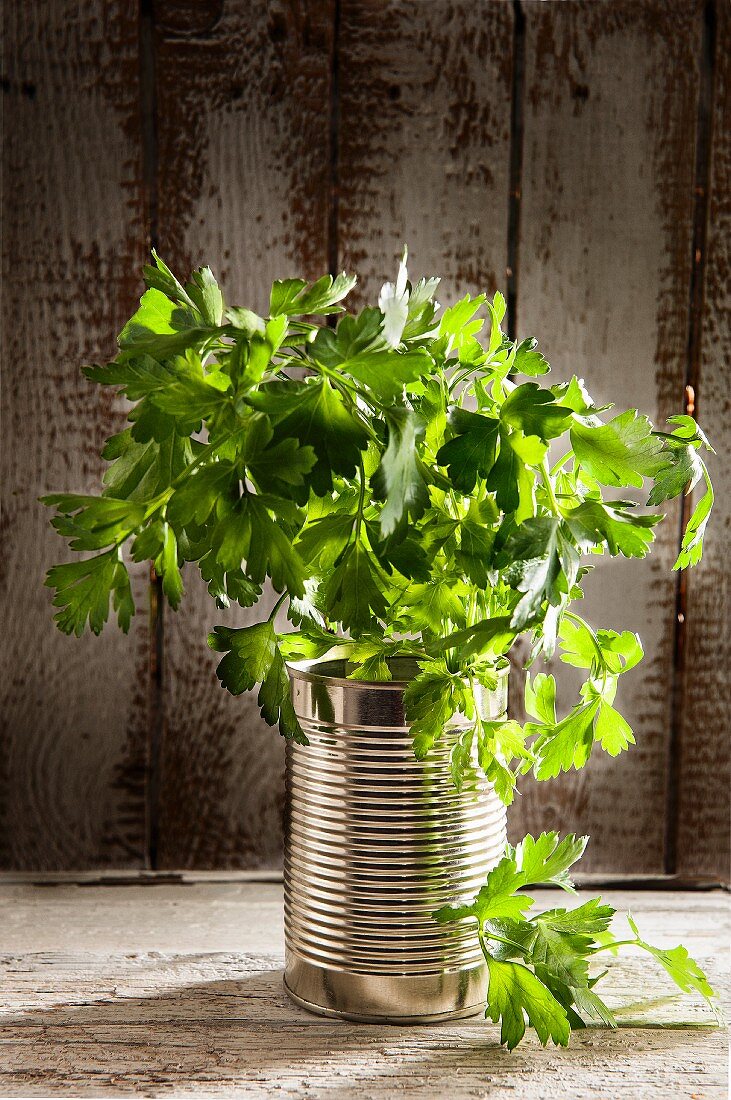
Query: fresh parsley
x,y
540,965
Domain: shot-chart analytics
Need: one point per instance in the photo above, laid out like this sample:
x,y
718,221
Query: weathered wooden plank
x,y
174,1006
610,114
244,156
72,762
354,1062
230,917
704,767
424,141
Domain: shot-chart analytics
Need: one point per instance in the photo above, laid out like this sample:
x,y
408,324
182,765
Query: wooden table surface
x,y
176,990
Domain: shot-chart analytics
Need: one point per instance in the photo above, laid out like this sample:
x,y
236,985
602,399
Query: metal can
x,y
376,840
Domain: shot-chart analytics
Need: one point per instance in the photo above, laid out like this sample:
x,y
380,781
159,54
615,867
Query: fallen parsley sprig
x,y
540,965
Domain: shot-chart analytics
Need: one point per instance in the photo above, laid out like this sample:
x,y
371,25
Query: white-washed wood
x,y
191,1003
704,814
73,746
424,142
244,154
605,250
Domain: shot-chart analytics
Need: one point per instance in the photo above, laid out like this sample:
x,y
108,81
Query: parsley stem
x,y
499,939
611,946
580,622
546,476
276,607
361,499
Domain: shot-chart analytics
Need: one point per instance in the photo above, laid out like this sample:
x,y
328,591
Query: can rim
x,y
307,670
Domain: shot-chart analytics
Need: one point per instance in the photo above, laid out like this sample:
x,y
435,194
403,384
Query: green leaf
x,y
384,372
432,605
514,991
172,582
141,471
494,635
161,278
252,656
585,920
624,532
473,558
84,589
612,731
206,295
322,541
316,415
682,470
249,534
691,549
535,545
534,411
528,360
137,375
276,468
294,297
92,523
399,477
622,452
201,492
540,697
161,328
684,970
569,744
546,860
511,479
459,328
430,701
471,454
354,592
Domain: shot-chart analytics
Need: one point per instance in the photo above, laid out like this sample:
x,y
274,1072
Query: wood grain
x,y
183,995
72,755
704,767
243,125
424,142
610,114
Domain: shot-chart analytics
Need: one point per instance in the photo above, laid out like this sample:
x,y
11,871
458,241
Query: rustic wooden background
x,y
577,155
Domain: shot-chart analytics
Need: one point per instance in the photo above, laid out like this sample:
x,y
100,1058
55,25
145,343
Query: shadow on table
x,y
245,1035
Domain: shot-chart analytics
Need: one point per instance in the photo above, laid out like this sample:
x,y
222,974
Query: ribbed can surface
x,y
375,842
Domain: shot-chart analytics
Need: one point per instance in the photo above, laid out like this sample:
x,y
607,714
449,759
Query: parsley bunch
x,y
400,486
539,965
406,493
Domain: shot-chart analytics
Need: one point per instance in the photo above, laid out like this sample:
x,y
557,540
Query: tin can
x,y
376,841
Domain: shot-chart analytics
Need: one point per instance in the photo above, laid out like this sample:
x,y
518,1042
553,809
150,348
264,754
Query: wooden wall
x,y
575,154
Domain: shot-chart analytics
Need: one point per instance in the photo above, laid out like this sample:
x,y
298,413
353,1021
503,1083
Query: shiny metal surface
x,y
375,842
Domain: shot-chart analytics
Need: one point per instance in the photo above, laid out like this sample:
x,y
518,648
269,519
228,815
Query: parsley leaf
x,y
293,297
316,415
84,589
534,411
354,591
399,478
622,452
471,453
252,656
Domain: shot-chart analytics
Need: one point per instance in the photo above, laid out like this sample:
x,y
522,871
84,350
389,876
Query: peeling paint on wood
x,y
611,104
424,142
705,765
72,765
291,135
243,124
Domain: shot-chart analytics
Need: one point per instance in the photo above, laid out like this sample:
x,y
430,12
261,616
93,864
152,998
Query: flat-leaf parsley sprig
x,y
540,965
